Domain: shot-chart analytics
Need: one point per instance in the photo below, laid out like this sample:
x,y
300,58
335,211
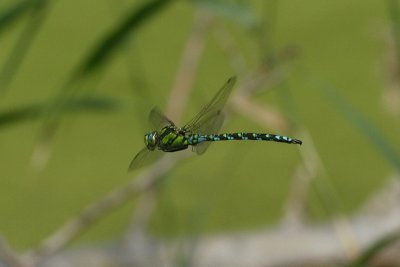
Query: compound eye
x,y
150,140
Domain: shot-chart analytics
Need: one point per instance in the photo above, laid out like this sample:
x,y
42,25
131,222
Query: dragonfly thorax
x,y
151,140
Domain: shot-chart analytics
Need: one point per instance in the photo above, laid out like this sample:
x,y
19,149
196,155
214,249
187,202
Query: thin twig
x,y
328,194
77,225
295,215
312,245
270,118
178,98
8,256
181,89
267,117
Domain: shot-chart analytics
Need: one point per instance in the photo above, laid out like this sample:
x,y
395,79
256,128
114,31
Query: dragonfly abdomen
x,y
197,138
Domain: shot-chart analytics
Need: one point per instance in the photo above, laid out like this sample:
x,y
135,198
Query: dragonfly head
x,y
151,140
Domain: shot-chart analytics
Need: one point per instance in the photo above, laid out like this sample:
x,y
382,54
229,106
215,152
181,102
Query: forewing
x,y
211,110
158,120
144,158
213,125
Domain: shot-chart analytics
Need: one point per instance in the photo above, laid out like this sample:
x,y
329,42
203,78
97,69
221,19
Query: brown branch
x,y
183,83
265,116
79,224
313,167
193,50
179,95
8,256
268,117
309,245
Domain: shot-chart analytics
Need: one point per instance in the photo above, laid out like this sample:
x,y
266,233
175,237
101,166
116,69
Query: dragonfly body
x,y
197,133
171,138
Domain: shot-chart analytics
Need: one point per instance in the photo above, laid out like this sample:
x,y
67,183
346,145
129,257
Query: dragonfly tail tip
x,y
297,141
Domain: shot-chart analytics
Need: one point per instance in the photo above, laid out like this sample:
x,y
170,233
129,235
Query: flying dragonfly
x,y
198,133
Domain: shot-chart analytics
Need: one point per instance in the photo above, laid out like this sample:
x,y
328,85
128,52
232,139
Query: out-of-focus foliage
x,y
91,70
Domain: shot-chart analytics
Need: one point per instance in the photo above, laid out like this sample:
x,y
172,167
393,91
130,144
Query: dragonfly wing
x,y
213,125
211,110
157,119
144,157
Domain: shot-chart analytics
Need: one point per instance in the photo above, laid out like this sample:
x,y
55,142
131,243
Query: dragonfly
x,y
198,133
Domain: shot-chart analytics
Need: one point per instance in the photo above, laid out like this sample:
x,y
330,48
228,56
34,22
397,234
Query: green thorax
x,y
169,139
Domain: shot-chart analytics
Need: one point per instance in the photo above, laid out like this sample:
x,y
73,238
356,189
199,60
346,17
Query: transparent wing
x,y
144,157
213,126
158,120
211,111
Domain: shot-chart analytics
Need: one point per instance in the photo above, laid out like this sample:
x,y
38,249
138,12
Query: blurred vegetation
x,y
78,78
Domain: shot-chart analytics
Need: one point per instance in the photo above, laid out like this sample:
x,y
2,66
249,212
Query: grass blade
x,y
18,10
34,111
21,48
364,126
374,249
394,17
114,39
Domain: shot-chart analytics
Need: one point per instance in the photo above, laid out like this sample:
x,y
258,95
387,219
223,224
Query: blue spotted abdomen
x,y
195,139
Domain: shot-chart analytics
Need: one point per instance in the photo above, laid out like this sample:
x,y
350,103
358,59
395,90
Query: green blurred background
x,y
74,104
